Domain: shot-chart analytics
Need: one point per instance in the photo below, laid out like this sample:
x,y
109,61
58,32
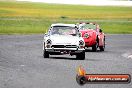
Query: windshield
x,y
63,30
87,26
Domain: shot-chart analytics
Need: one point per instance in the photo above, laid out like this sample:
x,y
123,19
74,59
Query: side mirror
x,y
45,34
100,30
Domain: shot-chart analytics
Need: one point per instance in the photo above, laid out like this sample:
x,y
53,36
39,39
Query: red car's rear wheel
x,y
102,47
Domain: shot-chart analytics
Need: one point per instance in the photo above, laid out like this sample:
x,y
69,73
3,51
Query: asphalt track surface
x,y
23,66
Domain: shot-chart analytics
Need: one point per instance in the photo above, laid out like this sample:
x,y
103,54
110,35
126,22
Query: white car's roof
x,y
62,24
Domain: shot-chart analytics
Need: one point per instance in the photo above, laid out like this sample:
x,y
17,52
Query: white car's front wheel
x,y
45,54
81,56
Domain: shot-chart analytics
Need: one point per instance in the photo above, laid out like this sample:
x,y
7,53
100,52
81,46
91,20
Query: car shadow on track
x,y
68,58
95,60
64,58
89,50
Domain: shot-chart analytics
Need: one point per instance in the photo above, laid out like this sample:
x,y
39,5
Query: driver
x,y
55,31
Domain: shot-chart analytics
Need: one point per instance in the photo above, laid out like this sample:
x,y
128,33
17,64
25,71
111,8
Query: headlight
x,y
48,42
86,35
81,43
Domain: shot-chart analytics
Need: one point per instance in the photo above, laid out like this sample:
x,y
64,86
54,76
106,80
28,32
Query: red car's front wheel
x,y
94,47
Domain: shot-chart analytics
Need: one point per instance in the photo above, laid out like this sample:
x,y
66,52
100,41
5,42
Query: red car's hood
x,y
90,31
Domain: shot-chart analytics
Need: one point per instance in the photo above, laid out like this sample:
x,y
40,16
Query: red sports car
x,y
92,35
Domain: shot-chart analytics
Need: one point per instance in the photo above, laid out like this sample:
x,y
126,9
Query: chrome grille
x,y
64,46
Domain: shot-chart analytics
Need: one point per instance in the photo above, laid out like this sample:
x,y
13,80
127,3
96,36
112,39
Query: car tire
x,y
81,56
45,54
102,47
94,47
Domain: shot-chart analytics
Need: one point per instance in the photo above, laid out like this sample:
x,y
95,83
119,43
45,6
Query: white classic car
x,y
63,39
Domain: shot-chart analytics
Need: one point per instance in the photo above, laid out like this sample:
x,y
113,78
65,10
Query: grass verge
x,y
25,17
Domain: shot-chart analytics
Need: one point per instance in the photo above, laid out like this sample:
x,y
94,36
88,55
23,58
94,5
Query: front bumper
x,y
65,50
89,42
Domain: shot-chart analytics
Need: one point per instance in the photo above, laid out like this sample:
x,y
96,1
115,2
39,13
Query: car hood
x,y
90,31
64,39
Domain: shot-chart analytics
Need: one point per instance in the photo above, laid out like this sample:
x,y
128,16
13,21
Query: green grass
x,y
25,17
